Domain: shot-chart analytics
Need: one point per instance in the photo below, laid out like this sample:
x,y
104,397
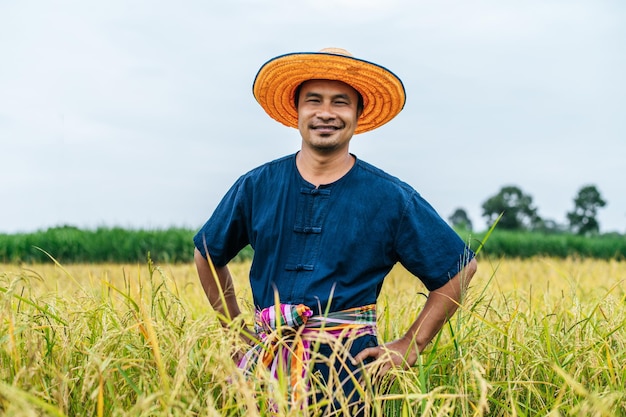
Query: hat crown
x,y
336,51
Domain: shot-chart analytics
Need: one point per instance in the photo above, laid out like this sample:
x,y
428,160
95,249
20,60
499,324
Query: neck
x,y
323,169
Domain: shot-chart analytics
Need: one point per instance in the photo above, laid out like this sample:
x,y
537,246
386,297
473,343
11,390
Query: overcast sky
x,y
140,113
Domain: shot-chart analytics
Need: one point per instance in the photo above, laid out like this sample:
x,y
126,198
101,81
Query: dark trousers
x,y
338,384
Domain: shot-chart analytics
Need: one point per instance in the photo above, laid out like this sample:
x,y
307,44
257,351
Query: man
x,y
327,227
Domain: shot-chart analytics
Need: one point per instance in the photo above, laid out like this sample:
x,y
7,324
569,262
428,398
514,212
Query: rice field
x,y
536,337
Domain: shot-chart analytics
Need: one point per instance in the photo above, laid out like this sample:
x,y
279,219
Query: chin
x,y
325,147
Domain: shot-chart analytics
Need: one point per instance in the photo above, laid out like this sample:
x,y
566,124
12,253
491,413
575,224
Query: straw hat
x,y
276,82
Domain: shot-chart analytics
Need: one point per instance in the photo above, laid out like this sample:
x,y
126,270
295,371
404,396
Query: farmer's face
x,y
327,114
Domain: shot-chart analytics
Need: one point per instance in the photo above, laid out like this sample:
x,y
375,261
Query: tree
x,y
516,208
550,226
460,220
582,220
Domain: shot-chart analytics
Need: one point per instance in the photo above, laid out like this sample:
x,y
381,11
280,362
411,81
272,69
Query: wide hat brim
x,y
276,82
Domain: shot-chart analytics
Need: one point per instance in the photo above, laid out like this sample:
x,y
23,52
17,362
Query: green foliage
x,y
72,245
515,207
510,244
69,244
460,220
582,219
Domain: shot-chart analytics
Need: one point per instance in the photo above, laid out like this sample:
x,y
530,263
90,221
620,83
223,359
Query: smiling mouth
x,y
325,128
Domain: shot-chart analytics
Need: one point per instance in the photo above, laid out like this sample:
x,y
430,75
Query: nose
x,y
324,111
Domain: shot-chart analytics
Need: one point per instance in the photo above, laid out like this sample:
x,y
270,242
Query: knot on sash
x,y
276,317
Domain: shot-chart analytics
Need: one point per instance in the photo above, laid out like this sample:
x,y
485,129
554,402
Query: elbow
x,y
470,269
466,276
199,258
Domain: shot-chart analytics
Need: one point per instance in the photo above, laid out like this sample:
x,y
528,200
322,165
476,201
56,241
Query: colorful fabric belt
x,y
287,331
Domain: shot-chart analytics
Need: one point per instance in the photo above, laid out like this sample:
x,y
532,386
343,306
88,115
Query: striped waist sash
x,y
287,332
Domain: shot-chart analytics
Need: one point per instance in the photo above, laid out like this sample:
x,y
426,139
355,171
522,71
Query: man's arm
x,y
219,289
442,303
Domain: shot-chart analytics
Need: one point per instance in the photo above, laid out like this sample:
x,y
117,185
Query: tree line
x,y
68,244
513,210
521,232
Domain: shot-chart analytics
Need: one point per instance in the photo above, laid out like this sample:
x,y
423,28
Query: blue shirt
x,y
335,243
